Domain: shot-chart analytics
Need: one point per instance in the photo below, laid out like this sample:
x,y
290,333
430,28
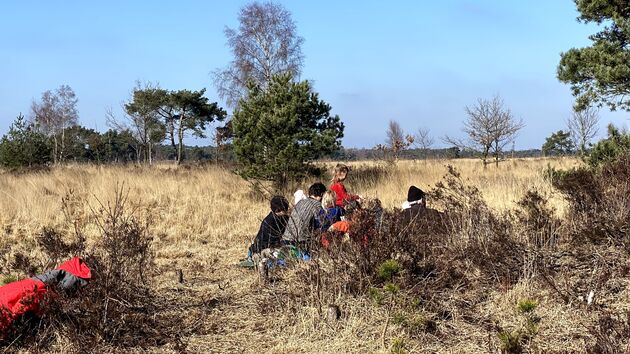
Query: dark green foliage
x,y
527,305
145,113
23,146
83,145
388,269
156,112
185,111
599,74
199,154
278,131
114,146
559,143
616,144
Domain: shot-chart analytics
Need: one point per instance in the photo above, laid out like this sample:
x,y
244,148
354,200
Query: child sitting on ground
x,y
269,235
303,220
415,205
330,213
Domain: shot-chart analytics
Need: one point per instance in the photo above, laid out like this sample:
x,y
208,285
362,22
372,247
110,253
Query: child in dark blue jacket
x,y
271,228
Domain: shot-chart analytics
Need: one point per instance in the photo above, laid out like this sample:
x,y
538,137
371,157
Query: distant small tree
x,y
191,111
279,131
396,141
24,146
559,143
583,126
423,140
490,127
55,113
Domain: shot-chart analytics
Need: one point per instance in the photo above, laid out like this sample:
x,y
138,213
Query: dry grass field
x,y
203,219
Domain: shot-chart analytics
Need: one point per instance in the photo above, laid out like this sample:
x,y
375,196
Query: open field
x,y
203,219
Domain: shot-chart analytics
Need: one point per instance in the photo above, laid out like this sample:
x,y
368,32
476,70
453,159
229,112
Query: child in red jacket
x,y
339,175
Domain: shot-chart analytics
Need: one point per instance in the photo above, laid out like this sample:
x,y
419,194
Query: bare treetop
x,y
583,126
56,112
423,139
490,127
266,43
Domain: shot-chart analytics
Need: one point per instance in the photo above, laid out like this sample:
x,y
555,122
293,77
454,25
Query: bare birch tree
x,y
55,113
583,126
266,43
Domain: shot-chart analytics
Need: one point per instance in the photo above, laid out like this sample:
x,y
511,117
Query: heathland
x,y
201,219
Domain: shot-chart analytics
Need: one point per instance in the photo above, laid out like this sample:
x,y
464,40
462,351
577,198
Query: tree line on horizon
x,y
279,125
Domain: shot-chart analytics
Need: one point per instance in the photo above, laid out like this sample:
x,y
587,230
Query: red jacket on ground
x,y
342,193
24,296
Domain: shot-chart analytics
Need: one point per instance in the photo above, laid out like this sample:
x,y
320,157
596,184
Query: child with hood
x,y
272,227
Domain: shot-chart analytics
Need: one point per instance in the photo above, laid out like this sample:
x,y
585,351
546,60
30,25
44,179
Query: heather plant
x,y
119,305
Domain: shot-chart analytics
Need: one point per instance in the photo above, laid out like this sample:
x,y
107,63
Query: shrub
x,y
598,213
538,219
119,306
616,144
610,333
23,146
278,131
388,269
511,342
398,346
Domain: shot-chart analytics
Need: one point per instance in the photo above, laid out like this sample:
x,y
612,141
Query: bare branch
x,y
423,139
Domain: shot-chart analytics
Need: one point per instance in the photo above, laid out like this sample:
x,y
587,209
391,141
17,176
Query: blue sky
x,y
418,62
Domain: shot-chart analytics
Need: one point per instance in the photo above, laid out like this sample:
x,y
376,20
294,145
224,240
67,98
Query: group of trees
x,y
26,145
154,114
582,127
599,75
279,124
54,114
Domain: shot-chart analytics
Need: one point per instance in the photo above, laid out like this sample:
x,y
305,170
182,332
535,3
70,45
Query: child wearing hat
x,y
415,205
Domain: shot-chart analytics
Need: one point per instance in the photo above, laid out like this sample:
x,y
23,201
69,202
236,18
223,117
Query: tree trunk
x,y
63,143
485,158
171,132
180,136
150,151
55,148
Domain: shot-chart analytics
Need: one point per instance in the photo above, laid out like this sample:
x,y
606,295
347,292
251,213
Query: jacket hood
x,y
76,267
